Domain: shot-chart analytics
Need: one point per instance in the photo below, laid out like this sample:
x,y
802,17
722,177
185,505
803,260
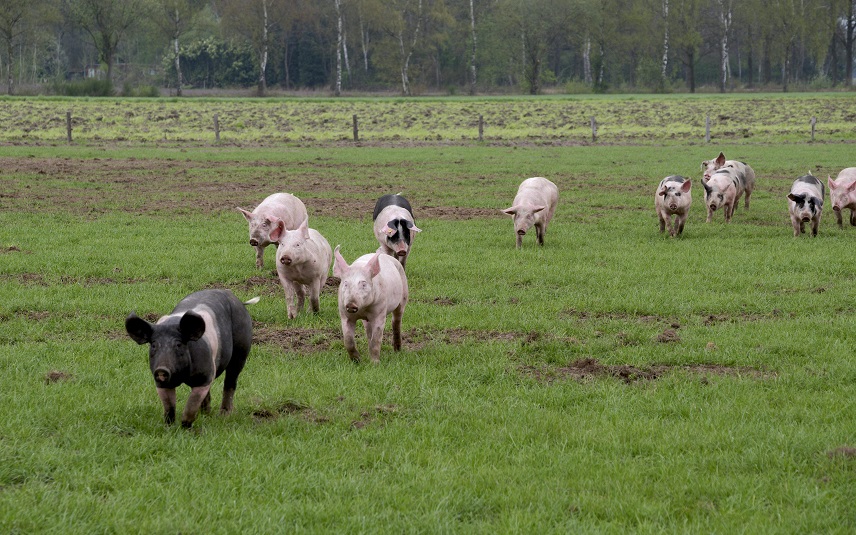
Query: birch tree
x,y
403,23
724,12
473,49
339,45
175,19
14,20
252,20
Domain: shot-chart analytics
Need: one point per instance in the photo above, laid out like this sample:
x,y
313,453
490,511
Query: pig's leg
x,y
231,382
838,218
260,256
729,211
167,397
662,222
375,331
853,217
301,296
540,231
680,220
348,328
814,224
315,293
746,202
396,328
797,226
194,401
206,403
290,298
709,214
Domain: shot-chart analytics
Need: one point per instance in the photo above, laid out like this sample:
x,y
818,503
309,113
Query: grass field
x,y
614,380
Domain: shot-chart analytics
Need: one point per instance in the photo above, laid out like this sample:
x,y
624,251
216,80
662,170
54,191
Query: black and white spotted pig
x,y
207,333
673,198
394,226
805,203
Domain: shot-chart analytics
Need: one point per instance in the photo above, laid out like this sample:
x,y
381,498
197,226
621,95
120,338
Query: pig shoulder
x,y
391,200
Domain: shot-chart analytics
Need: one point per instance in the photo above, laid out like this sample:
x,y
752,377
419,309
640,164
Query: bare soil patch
x,y
56,376
290,407
591,368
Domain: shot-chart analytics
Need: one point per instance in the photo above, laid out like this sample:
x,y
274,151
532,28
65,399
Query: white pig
x,y
805,203
673,198
721,191
745,174
373,287
534,204
284,206
842,193
303,259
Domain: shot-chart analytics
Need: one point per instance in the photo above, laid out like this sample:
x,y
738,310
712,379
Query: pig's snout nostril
x,y
521,232
161,375
673,207
254,243
713,207
806,219
352,309
402,253
836,208
285,260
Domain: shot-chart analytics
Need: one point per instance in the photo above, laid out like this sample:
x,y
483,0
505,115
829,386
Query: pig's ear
x,y
852,186
720,160
686,186
662,192
304,228
138,329
830,182
247,215
412,226
796,198
374,264
192,326
340,267
536,209
389,231
278,229
707,188
511,211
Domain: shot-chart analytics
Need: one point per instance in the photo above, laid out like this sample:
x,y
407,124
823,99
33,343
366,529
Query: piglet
x,y
745,174
721,191
842,193
534,204
805,203
303,258
284,206
673,198
207,333
373,287
394,226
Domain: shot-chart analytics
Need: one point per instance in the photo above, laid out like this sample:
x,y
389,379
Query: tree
x,y
18,22
686,36
252,21
106,22
175,18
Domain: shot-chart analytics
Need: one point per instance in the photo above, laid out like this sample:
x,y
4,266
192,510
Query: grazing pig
x,y
842,193
534,204
673,199
284,206
208,332
303,258
394,227
746,174
721,191
805,203
373,287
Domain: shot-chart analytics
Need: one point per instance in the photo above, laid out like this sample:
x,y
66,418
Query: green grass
x,y
461,431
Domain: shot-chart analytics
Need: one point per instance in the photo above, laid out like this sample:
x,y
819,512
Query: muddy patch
x,y
57,376
842,452
289,408
590,368
379,413
296,339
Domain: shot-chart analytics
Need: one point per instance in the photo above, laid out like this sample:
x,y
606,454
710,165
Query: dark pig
x,y
394,226
805,203
207,333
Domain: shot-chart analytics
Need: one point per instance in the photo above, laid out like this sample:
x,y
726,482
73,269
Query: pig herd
x,y
210,332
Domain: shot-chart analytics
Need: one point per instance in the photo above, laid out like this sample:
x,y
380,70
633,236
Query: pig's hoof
x,y
186,425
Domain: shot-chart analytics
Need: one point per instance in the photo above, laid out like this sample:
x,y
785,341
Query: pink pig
x,y
373,287
842,193
721,191
302,260
745,175
673,199
284,206
534,204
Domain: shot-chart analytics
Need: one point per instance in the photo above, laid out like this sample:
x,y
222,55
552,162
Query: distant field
x,y
560,120
613,381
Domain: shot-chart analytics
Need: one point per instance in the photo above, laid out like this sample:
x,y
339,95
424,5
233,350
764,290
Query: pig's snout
x,y
806,219
254,242
351,308
401,254
161,375
521,232
285,260
673,207
836,208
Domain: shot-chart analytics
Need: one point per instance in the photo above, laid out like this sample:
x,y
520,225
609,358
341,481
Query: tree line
x,y
417,46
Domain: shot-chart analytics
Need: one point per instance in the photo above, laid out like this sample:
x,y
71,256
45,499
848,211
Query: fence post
x,y
217,128
68,126
593,129
707,129
356,129
481,127
813,123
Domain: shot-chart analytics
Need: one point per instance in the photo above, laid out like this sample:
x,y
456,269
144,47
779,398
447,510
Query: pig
x,y
842,193
394,226
673,198
373,287
208,332
303,258
721,191
534,204
805,203
746,174
284,206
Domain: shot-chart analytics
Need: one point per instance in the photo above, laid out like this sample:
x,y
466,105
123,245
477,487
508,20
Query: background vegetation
x,y
615,380
428,46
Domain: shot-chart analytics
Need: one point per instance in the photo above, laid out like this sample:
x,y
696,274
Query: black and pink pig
x,y
805,203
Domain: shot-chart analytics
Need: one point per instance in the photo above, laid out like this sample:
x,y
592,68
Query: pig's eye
x,y
720,196
677,194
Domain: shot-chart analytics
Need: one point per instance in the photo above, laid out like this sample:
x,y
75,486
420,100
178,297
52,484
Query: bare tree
x,y
725,13
473,54
106,22
252,20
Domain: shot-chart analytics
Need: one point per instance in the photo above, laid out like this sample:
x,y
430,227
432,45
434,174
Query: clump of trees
x,y
416,46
